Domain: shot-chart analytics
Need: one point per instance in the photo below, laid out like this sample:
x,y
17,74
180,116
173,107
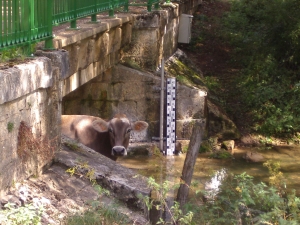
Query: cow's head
x,y
119,129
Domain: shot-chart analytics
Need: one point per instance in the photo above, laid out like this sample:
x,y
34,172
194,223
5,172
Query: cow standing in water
x,y
108,138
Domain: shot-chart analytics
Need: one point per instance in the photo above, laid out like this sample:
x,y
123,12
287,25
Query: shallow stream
x,y
169,168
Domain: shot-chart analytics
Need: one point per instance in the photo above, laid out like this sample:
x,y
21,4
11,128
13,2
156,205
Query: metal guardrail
x,y
148,3
24,22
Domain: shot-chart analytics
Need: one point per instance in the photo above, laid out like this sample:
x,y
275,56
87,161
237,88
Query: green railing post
x,y
24,22
31,20
9,30
28,14
74,22
156,6
49,41
94,18
149,5
15,21
111,11
1,28
5,9
126,8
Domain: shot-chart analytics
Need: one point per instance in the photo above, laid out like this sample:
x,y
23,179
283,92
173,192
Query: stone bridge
x,y
84,76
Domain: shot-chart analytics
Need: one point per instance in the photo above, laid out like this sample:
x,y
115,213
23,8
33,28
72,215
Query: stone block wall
x,y
30,106
155,34
136,94
93,49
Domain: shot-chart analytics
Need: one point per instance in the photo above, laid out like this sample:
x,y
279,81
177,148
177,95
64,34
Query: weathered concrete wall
x,y
155,34
93,49
30,110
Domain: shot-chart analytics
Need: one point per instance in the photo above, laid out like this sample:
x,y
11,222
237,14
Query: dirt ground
x,y
212,55
58,195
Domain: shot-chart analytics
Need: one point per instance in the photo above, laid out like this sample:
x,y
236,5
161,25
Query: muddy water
x,y
169,168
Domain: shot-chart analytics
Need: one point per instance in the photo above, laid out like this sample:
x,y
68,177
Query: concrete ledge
x,y
87,30
59,59
25,78
125,184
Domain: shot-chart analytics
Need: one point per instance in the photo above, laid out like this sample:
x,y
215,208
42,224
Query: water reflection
x,y
212,186
159,168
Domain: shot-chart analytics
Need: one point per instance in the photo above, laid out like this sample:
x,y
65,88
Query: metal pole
x,y
161,120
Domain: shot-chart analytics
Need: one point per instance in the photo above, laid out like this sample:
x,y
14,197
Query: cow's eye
x,y
129,130
110,130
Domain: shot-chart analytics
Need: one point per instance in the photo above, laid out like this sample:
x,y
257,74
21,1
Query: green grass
x,y
99,215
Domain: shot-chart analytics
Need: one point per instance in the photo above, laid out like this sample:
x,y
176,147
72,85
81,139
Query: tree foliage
x,y
266,37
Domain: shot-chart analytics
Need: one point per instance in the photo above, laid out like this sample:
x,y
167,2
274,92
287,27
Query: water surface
x,y
169,167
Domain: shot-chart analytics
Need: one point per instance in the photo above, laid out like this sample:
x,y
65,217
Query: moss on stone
x,y
221,154
205,147
184,73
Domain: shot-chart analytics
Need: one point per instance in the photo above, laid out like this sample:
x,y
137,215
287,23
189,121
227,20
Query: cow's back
x,y
70,124
79,127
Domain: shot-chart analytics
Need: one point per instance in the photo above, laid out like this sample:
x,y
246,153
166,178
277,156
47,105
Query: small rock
x,y
254,157
228,145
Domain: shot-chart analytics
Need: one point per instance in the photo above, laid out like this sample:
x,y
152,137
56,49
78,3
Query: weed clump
x,y
31,146
10,127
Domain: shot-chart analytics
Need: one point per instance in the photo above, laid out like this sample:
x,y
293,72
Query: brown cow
x,y
108,138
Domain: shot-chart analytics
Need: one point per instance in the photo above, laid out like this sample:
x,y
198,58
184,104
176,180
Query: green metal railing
x,y
148,3
24,22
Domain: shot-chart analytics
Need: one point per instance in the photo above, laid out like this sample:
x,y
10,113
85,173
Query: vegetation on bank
x,y
238,200
265,36
262,39
242,201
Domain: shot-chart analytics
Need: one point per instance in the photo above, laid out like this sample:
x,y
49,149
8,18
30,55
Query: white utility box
x,y
185,26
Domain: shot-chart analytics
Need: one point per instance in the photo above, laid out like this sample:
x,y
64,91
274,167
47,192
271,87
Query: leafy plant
x,y
28,214
98,213
212,83
13,53
276,178
265,36
241,200
221,154
185,149
10,126
159,201
101,190
83,167
17,53
72,146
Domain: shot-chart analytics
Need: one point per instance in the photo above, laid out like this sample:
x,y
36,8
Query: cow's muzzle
x,y
119,151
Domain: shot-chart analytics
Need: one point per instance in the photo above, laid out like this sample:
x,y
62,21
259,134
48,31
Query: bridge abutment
x,y
31,94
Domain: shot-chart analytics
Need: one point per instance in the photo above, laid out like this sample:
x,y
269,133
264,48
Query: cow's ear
x,y
139,126
100,125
